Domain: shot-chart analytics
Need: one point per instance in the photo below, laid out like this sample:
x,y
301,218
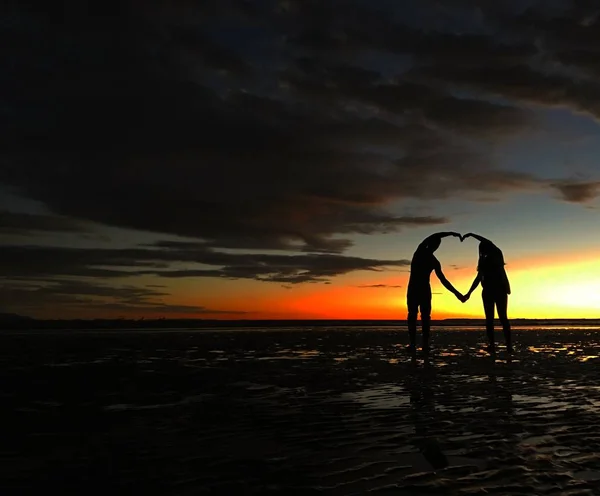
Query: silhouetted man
x,y
418,295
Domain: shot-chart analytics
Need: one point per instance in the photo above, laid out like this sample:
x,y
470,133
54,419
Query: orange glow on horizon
x,y
542,287
565,286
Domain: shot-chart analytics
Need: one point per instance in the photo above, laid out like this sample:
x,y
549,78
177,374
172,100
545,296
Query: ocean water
x,y
302,411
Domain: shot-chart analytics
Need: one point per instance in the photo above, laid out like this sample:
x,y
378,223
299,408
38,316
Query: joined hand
x,y
462,237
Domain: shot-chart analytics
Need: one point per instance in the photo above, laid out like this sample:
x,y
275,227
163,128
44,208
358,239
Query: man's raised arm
x,y
439,235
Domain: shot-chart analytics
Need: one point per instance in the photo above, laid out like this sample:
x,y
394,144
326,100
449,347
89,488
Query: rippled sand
x,y
304,412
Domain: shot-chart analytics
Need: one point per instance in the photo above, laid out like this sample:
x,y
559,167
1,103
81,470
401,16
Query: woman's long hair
x,y
489,251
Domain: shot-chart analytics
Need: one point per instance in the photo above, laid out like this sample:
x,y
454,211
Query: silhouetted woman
x,y
418,295
495,288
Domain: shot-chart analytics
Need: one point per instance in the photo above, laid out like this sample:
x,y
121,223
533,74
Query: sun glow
x,y
561,288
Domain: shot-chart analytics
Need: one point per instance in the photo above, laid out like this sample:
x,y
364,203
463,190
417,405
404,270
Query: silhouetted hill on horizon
x,y
19,322
11,317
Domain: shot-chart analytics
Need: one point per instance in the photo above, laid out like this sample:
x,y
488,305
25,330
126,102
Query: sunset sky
x,y
284,158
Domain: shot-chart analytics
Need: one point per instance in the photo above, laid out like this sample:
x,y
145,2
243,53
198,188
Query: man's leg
x,y
502,306
425,322
413,310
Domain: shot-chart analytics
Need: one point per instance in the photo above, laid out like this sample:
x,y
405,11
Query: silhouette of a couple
x,y
490,273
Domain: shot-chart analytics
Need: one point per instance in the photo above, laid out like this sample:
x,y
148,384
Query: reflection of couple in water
x,y
490,273
491,400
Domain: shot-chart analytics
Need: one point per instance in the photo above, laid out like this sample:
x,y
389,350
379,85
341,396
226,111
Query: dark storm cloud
x,y
196,44
578,191
553,62
522,83
46,263
274,125
29,224
465,116
156,120
479,118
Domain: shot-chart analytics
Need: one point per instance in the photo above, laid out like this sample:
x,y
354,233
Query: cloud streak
x,y
25,224
377,286
577,191
40,299
29,262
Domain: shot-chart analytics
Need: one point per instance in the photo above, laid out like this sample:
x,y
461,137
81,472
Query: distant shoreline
x,y
24,323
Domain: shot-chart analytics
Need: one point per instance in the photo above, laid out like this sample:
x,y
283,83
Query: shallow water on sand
x,y
343,412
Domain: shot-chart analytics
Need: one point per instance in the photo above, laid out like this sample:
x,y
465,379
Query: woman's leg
x,y
502,306
488,308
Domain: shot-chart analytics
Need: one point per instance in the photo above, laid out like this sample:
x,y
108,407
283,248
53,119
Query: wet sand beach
x,y
343,411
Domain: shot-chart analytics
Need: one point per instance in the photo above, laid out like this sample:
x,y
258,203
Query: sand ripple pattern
x,y
338,412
